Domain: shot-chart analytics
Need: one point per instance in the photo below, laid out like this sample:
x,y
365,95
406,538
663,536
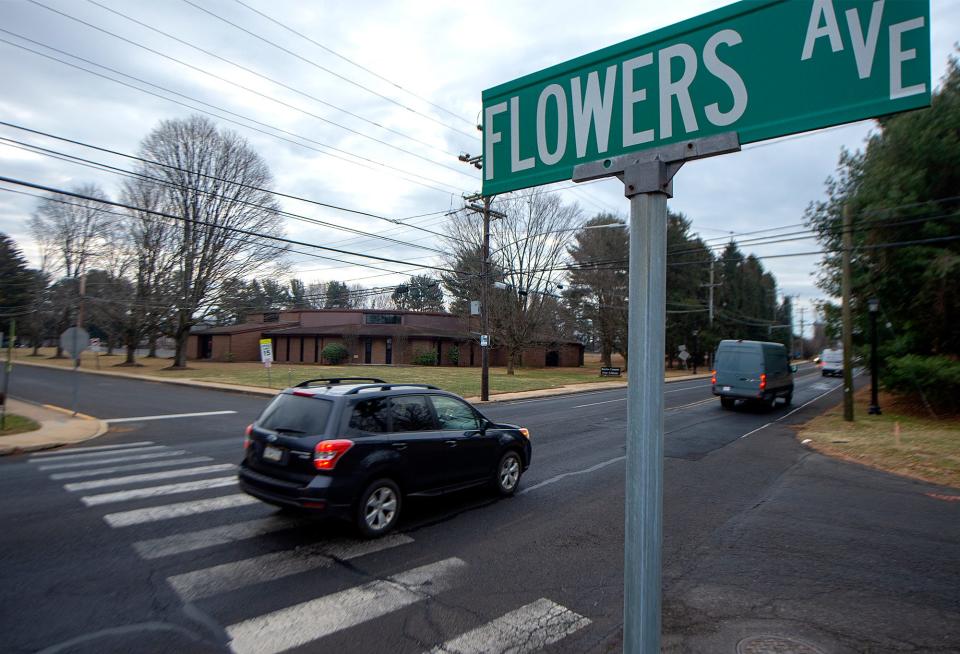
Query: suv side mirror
x,y
794,368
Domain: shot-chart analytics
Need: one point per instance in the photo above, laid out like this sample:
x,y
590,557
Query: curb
x,y
8,450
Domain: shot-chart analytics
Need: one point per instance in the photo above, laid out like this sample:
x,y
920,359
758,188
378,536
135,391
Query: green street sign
x,y
761,68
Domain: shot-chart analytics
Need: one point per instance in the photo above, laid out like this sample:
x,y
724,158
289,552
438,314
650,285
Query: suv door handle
x,y
451,443
399,446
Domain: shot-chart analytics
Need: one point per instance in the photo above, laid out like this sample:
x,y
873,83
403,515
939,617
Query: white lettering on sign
x,y
728,76
516,163
490,137
822,9
898,56
679,89
556,92
864,49
823,22
590,106
632,96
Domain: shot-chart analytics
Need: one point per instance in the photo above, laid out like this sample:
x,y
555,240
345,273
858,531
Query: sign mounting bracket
x,y
652,171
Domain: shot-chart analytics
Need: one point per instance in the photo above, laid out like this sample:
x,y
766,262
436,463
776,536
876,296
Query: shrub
x,y
425,358
335,353
453,354
229,357
935,379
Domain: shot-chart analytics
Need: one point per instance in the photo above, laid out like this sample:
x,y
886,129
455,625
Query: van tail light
x,y
763,381
713,378
246,436
327,453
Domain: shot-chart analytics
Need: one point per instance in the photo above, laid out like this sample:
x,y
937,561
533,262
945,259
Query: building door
x,y
553,359
206,346
389,351
368,350
439,354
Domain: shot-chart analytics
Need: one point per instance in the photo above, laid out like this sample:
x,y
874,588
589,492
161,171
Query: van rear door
x,y
739,367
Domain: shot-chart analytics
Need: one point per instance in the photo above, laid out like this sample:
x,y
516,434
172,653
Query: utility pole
x,y
711,286
8,371
847,323
802,348
487,213
83,289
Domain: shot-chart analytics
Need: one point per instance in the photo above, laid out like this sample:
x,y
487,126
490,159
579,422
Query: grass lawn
x,y
904,440
463,381
17,425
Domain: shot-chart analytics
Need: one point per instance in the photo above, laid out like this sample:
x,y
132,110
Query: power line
x,y
205,223
279,248
137,175
224,110
394,221
352,62
326,70
271,79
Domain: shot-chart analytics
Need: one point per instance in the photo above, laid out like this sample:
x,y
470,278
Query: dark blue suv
x,y
354,448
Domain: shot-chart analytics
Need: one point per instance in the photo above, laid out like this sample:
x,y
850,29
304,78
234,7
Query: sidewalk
x,y
57,427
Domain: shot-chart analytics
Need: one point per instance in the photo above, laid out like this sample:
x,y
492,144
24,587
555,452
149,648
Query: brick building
x,y
370,336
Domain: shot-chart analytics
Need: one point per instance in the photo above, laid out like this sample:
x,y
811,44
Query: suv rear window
x,y
296,414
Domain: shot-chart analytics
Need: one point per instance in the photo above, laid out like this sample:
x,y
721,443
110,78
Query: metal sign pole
x,y
647,179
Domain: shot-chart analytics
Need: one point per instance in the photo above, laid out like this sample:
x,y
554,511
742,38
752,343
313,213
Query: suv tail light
x,y
713,378
763,381
327,453
246,436
525,432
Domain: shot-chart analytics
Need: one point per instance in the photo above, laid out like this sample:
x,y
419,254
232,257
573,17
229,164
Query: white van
x,y
831,363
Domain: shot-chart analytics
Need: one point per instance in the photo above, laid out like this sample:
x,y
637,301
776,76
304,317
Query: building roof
x,y
353,329
243,328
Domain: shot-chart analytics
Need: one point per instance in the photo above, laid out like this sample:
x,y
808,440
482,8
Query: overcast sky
x,y
373,112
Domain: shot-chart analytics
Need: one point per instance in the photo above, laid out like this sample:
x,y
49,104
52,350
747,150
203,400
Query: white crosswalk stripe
x,y
178,510
527,629
149,476
84,450
119,459
303,623
277,565
156,548
110,470
77,456
156,491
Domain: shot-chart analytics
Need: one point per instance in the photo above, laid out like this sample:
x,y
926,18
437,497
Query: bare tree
x,y
215,183
72,236
528,247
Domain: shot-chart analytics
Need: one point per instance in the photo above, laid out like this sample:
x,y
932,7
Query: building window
x,y
381,318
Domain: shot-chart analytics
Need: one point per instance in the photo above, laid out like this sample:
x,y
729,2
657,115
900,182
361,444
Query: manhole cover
x,y
775,645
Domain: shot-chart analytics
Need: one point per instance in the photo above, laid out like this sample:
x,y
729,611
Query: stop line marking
x,y
168,416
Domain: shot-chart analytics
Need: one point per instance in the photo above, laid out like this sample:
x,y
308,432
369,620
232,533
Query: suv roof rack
x,y
387,387
330,381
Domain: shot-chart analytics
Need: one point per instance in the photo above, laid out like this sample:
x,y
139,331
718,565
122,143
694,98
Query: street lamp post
x,y
874,305
696,349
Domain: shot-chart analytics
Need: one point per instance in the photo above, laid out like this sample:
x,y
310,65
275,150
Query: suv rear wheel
x,y
507,476
379,508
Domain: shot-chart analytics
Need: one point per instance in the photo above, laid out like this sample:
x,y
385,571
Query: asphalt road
x,y
762,538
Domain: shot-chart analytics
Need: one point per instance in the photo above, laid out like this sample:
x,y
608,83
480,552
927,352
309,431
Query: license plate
x,y
726,388
272,453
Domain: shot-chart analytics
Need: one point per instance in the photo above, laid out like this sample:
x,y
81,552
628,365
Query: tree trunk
x,y
152,354
131,359
180,356
606,355
510,361
109,345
